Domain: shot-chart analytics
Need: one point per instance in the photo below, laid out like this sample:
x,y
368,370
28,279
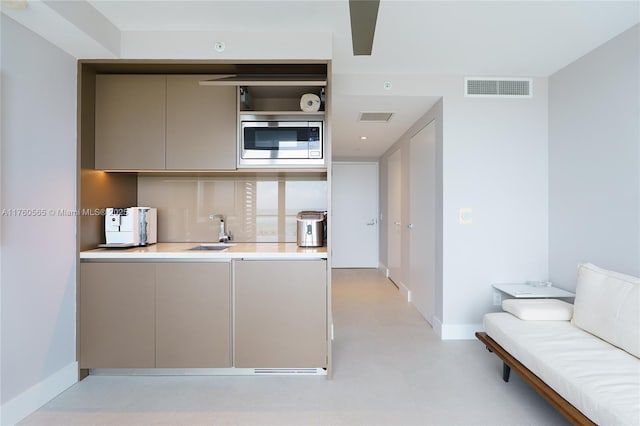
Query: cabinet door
x,y
280,314
117,324
201,124
130,122
193,328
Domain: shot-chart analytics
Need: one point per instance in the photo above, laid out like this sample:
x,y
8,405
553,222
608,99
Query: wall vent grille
x,y
375,117
498,87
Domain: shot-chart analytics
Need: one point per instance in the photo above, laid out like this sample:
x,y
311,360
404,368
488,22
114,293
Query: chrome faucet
x,y
223,236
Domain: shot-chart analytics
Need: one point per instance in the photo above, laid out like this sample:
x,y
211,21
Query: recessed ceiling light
x,y
15,4
364,138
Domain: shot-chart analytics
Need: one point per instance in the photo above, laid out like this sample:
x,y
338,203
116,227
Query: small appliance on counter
x,y
130,227
311,228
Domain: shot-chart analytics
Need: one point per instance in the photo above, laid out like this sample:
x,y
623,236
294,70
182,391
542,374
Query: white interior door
x,y
422,223
354,222
394,218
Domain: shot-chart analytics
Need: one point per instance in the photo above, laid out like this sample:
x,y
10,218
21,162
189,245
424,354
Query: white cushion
x,y
539,309
607,305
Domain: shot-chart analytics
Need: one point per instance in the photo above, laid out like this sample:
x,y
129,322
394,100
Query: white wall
x,y
594,161
38,253
494,160
434,114
239,45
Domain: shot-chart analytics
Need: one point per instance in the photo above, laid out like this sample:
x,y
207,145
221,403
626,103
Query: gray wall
x,y
435,113
38,172
594,161
493,155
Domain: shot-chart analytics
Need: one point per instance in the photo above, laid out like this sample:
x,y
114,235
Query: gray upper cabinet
x,y
201,125
130,122
164,122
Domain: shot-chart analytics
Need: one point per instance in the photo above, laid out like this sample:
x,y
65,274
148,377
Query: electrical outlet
x,y
497,298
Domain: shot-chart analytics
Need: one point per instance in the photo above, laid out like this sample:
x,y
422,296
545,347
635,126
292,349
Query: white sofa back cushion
x,y
607,305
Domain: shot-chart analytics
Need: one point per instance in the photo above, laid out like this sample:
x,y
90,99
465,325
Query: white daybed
x,y
583,358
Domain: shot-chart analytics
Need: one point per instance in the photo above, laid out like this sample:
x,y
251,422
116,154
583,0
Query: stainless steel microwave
x,y
282,141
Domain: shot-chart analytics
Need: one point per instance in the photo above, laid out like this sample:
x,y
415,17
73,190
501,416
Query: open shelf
x,y
251,112
276,100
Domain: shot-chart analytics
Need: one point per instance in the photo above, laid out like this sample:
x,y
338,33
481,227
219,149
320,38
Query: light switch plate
x,y
465,216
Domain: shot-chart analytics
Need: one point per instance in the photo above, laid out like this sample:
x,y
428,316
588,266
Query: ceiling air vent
x,y
497,87
377,117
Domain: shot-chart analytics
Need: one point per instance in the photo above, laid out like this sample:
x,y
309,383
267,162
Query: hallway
x,y
389,369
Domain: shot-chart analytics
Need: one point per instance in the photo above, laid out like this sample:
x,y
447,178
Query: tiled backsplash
x,y
257,209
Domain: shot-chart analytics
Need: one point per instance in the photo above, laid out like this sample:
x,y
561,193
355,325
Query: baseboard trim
x,y
404,290
39,394
230,371
437,327
459,331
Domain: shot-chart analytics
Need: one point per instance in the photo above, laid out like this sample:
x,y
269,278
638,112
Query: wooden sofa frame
x,y
572,414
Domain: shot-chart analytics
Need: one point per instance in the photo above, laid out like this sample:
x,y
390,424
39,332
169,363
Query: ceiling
x,y
478,38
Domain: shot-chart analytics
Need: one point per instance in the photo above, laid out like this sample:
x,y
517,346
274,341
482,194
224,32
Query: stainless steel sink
x,y
217,247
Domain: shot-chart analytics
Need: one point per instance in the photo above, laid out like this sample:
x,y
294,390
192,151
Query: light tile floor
x,y
389,369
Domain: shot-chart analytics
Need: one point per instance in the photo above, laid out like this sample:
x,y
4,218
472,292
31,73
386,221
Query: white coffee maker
x,y
130,227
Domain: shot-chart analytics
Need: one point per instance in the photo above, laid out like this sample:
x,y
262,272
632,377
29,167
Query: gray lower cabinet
x,y
193,315
117,315
147,315
178,314
280,313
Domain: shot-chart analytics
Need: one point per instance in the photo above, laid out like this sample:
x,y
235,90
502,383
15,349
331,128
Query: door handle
x,y
410,226
373,222
396,223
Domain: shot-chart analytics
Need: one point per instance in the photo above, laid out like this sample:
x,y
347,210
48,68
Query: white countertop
x,y
235,251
